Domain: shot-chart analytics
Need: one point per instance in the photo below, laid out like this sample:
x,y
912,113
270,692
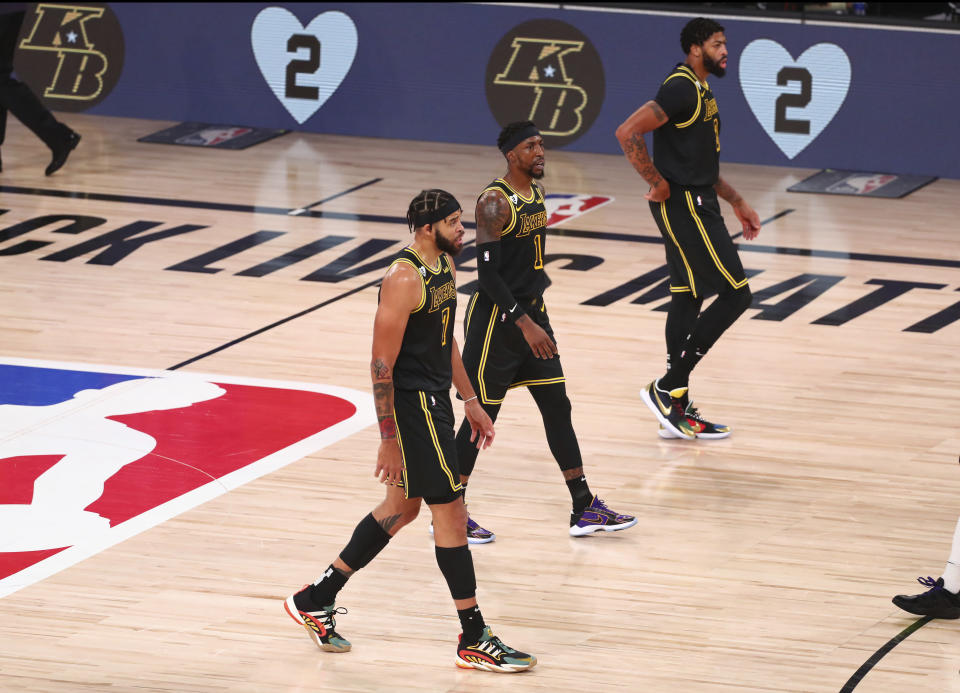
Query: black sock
x,y
713,322
323,592
579,493
679,373
471,623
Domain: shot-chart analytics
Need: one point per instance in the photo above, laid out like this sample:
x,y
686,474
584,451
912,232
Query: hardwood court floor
x,y
762,562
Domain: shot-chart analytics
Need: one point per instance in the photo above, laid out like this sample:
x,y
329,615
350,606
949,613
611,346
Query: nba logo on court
x,y
563,207
92,456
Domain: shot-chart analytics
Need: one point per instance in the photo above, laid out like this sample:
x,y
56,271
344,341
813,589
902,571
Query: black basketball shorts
x,y
495,354
700,252
427,443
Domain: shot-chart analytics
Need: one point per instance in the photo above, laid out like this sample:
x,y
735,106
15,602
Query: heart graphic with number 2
x,y
303,66
794,100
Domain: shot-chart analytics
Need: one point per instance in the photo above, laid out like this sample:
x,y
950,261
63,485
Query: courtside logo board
x,y
549,72
794,100
92,455
70,54
303,65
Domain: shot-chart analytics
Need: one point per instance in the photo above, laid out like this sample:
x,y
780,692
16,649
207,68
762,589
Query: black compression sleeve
x,y
488,269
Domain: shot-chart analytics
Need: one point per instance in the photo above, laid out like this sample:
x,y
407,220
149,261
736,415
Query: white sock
x,y
951,574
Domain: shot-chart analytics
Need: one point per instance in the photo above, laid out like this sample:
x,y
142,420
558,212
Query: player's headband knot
x,y
518,137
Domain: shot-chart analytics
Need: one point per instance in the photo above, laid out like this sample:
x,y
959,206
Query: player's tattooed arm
x,y
400,293
493,213
383,401
726,191
635,147
631,133
383,397
380,370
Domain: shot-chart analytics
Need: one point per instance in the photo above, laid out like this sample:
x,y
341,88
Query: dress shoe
x,y
61,153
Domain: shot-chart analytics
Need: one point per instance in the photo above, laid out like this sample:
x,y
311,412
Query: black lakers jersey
x,y
686,149
424,359
522,241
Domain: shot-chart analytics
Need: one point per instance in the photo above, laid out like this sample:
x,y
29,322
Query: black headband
x,y
518,137
435,215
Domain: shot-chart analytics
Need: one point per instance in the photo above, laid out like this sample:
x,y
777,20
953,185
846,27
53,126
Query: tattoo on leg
x,y
387,523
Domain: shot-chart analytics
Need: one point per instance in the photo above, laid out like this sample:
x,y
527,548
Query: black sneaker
x,y
319,624
668,407
935,602
490,654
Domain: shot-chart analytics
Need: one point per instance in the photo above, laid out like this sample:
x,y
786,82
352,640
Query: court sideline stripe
x,y
375,282
287,319
878,655
301,210
571,233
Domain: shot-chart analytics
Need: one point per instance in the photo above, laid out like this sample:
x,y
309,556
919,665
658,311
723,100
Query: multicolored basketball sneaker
x,y
703,428
597,517
669,408
490,654
319,624
936,602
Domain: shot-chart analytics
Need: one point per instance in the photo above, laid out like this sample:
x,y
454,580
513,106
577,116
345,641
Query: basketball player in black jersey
x,y
415,358
684,179
509,341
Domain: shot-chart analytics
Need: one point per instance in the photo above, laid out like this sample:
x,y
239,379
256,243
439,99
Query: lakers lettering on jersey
x,y
522,240
440,295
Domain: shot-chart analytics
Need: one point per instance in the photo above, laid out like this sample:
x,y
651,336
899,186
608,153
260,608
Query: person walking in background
x,y
509,340
942,600
17,98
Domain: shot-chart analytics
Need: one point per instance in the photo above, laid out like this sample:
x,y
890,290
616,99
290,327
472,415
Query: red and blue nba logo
x,y
562,207
91,456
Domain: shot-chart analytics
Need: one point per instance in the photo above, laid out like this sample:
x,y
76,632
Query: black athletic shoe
x,y
597,517
319,625
668,407
490,654
936,601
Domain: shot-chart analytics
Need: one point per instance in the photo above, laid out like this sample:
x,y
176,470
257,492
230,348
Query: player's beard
x,y
712,67
536,176
445,245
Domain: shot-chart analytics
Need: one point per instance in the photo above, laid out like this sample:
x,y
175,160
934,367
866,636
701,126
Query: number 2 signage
x,y
794,100
303,65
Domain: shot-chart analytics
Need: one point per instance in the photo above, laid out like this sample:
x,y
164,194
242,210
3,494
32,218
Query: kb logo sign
x,y
794,100
70,55
303,66
546,71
